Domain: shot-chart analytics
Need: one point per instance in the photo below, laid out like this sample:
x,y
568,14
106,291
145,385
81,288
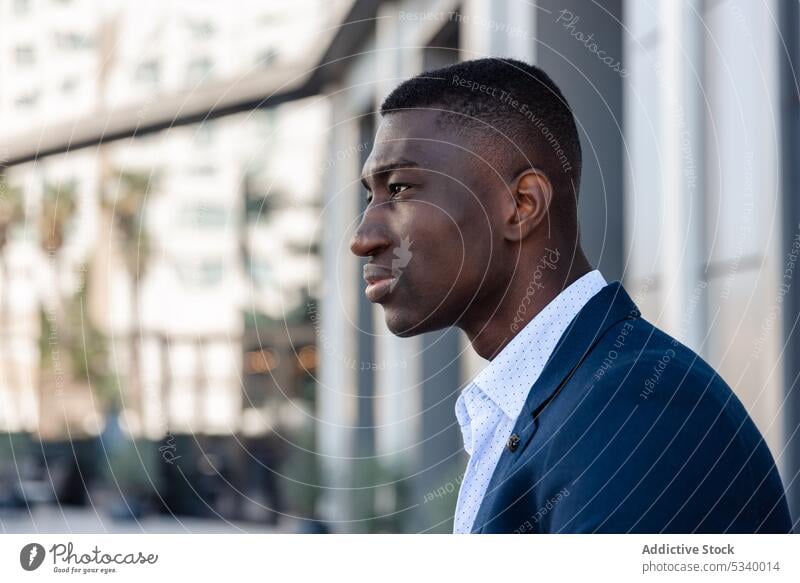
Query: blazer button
x,y
513,442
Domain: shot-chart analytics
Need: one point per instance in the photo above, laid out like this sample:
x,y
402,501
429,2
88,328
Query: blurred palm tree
x,y
133,461
12,209
59,205
127,210
12,213
58,209
123,207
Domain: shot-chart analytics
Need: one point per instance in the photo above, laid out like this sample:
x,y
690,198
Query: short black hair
x,y
501,98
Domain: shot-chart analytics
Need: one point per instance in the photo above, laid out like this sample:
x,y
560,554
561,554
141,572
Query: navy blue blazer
x,y
627,430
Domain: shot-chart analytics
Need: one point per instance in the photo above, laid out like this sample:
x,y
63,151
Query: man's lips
x,y
380,281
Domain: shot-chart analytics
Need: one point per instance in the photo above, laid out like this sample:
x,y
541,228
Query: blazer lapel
x,y
609,306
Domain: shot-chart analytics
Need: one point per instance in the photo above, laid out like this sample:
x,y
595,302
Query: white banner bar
x,y
390,558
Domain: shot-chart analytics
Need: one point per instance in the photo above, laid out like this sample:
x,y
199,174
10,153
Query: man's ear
x,y
529,204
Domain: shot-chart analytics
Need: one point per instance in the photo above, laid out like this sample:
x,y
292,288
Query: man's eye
x,y
397,188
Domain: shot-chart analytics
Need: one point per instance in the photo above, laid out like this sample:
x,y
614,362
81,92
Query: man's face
x,y
428,228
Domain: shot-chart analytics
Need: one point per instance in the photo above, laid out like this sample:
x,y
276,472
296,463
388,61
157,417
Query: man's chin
x,y
400,323
405,325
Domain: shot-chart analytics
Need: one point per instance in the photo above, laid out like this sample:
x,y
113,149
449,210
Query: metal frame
x,y
789,51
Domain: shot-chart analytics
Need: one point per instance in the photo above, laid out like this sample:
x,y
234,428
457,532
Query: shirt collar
x,y
536,340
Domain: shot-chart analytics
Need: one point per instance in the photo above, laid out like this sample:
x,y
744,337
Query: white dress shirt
x,y
488,407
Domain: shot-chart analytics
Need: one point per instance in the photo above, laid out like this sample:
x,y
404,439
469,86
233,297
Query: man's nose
x,y
369,239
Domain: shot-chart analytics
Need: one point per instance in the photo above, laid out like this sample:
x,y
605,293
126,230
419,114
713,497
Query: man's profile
x,y
587,417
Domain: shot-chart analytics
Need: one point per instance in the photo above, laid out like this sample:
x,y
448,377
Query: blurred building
x,y
690,122
36,40
712,220
181,249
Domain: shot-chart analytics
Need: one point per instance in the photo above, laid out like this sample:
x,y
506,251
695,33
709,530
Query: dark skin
x,y
480,232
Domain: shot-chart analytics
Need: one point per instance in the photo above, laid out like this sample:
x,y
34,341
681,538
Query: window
x,y
24,55
22,7
198,70
204,135
266,57
200,29
261,272
201,170
27,100
71,41
69,85
147,72
203,273
204,216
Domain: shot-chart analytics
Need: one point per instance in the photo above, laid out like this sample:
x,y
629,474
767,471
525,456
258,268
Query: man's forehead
x,y
395,152
409,139
387,156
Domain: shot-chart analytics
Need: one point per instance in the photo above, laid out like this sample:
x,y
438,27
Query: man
x,y
587,418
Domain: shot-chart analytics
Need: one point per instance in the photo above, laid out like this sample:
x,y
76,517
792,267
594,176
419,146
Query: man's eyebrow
x,y
382,168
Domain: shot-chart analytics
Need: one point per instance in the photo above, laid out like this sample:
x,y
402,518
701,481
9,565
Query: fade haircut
x,y
502,102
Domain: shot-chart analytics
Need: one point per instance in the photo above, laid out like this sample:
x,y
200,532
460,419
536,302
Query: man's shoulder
x,y
640,436
634,352
638,378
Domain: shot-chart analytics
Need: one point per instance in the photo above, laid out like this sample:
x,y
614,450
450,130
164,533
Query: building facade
x,y
684,110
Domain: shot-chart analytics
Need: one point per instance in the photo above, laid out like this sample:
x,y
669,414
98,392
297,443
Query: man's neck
x,y
494,326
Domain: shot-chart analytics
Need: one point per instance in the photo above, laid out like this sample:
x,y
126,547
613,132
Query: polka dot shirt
x,y
488,407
